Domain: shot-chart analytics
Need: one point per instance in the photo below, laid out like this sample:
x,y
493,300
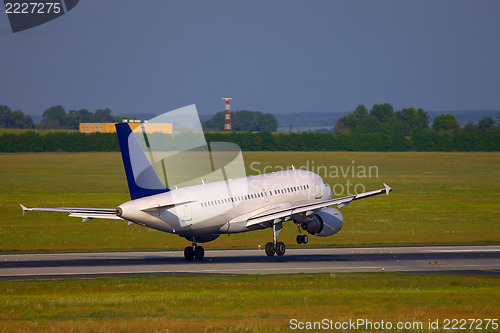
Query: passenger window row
x,y
253,196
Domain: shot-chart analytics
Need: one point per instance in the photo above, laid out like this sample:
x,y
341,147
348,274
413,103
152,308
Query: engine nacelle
x,y
325,222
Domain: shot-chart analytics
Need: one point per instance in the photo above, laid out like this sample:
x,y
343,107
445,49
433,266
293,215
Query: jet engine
x,y
325,222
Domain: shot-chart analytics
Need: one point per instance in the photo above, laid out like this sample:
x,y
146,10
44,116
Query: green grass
x,y
437,198
241,303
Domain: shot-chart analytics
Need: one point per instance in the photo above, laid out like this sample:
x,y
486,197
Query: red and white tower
x,y
227,122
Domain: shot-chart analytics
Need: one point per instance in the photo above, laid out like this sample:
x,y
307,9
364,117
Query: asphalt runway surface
x,y
466,260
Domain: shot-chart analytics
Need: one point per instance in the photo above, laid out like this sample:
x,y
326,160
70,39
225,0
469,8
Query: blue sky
x,y
279,56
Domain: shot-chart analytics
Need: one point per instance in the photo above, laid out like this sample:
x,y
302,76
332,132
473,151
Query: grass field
x,y
437,198
244,303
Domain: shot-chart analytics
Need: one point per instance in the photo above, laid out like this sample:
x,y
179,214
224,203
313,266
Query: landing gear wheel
x,y
199,252
305,239
270,249
299,239
189,253
280,248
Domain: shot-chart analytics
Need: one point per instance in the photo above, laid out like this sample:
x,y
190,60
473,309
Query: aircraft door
x,y
319,191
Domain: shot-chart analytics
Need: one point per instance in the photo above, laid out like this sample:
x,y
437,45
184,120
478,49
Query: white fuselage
x,y
224,207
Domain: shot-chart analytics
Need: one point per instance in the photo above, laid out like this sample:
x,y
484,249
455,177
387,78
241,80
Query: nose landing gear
x,y
301,239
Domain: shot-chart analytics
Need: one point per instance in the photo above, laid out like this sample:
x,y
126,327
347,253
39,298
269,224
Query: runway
x,y
469,260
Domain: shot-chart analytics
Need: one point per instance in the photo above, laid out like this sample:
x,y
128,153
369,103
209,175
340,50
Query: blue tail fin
x,y
141,176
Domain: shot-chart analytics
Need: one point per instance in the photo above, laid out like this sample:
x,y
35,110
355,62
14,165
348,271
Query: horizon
x,y
472,115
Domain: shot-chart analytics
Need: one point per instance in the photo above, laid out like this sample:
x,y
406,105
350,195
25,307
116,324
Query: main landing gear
x,y
301,239
276,247
194,251
279,248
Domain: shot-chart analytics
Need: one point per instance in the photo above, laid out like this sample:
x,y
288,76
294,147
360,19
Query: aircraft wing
x,y
85,213
312,207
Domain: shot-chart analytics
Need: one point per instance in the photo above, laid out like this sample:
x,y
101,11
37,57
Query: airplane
x,y
201,213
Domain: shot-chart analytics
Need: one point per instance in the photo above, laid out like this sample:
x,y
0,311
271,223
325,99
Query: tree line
x,y
464,140
31,141
55,117
338,141
14,119
380,129
407,122
243,121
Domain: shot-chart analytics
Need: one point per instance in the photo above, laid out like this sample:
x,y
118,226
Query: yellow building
x,y
110,127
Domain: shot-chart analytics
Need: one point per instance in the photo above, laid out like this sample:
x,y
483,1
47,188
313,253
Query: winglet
x,y
387,188
24,209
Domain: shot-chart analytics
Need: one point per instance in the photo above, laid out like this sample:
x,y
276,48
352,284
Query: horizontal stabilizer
x,y
84,213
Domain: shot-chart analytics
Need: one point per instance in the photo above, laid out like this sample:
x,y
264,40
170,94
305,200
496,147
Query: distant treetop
x,y
14,119
382,118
